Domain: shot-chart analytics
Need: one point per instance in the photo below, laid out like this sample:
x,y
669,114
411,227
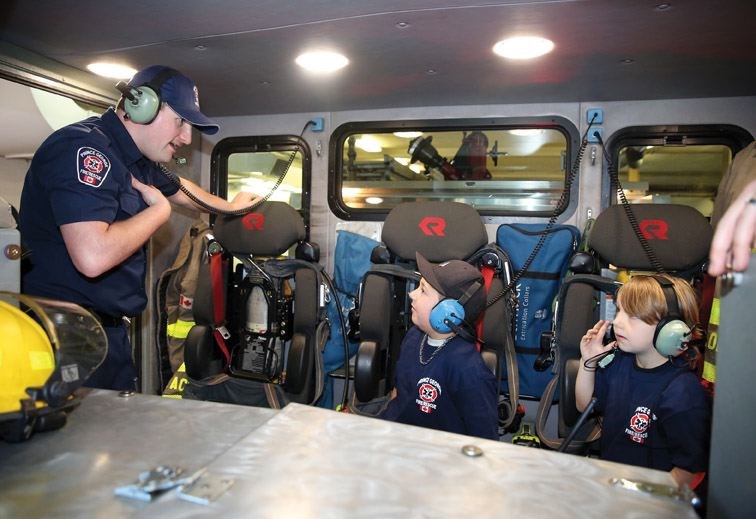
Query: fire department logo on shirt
x,y
637,430
428,391
92,166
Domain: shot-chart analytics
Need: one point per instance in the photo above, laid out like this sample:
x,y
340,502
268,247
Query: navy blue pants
x,y
117,371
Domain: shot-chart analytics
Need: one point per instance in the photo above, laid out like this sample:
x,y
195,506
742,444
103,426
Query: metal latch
x,y
684,493
154,482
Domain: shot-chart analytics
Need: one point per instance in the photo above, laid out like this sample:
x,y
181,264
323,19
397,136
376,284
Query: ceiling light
x,y
374,200
322,61
526,132
111,70
524,47
368,144
407,135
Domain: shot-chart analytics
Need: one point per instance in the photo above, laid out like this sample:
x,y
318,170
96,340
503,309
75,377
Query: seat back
x,y
266,340
678,238
440,231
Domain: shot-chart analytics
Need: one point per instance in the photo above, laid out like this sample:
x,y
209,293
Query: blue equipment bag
x,y
351,261
536,291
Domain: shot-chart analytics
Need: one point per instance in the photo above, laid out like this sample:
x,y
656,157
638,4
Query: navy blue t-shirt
x,y
454,392
81,173
657,417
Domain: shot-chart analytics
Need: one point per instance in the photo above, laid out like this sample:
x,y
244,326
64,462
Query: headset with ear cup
x,y
448,314
142,103
671,332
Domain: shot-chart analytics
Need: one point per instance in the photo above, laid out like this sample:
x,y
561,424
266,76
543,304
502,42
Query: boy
x,y
655,412
441,380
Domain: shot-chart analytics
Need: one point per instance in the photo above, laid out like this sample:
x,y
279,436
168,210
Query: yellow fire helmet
x,y
47,350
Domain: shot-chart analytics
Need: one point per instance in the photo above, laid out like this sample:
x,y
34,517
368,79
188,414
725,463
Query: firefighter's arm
x,y
96,246
240,201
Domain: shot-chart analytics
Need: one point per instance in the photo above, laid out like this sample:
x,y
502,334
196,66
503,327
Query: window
x,y
255,164
500,166
675,165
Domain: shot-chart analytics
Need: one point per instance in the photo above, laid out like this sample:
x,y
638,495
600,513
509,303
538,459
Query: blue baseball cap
x,y
179,92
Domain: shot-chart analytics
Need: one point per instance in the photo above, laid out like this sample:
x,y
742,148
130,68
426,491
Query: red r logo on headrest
x,y
432,226
253,221
654,229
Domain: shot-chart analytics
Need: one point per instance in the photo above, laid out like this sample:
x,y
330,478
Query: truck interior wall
x,y
734,110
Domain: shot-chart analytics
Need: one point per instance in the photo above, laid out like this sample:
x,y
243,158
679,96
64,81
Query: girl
x,y
655,412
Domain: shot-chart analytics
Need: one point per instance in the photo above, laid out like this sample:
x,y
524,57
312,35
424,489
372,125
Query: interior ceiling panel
x,y
694,48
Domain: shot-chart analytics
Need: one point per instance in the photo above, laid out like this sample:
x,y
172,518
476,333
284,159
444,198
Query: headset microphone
x,y
462,332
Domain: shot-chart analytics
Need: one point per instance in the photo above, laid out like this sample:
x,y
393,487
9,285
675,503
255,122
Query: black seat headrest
x,y
439,231
678,234
270,230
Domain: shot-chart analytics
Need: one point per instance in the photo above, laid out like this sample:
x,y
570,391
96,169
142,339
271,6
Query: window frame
x,y
260,144
730,135
344,131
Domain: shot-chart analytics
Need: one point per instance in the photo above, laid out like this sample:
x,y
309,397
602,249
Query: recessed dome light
x,y
111,70
368,144
526,132
523,47
407,135
322,61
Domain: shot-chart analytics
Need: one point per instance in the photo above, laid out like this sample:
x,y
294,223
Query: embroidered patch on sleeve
x,y
92,166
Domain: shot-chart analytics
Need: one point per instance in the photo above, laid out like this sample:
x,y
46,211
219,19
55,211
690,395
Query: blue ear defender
x,y
671,332
446,313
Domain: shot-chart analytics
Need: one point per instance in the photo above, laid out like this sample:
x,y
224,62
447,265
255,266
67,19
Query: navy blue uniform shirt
x,y
81,173
657,417
454,392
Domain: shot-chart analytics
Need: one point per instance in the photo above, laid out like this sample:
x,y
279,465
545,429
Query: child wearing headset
x,y
655,411
441,381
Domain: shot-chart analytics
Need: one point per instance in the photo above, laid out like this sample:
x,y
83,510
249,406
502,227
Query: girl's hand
x,y
591,343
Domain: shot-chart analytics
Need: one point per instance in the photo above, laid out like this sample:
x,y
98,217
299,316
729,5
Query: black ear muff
x,y
142,103
671,332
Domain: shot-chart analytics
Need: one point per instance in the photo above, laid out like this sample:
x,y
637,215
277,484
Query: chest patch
x,y
92,166
428,391
637,429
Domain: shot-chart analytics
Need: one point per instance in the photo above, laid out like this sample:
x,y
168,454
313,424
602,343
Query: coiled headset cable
x,y
552,219
614,178
173,177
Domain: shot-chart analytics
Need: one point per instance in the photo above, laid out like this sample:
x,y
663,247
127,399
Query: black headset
x,y
142,103
672,333
448,314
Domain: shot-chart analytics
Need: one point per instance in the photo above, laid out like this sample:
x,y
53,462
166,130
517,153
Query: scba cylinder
x,y
257,311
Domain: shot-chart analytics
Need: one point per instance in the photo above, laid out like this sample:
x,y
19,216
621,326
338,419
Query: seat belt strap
x,y
488,274
219,309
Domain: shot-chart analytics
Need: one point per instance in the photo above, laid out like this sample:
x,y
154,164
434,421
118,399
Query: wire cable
x,y
614,178
342,322
552,219
237,212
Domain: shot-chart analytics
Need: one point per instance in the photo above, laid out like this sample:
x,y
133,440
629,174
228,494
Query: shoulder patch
x,y
92,166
